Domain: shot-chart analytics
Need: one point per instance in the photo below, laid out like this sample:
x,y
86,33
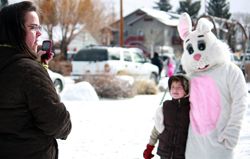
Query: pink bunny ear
x,y
184,26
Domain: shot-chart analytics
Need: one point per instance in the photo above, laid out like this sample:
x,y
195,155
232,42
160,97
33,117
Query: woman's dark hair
x,y
12,26
179,78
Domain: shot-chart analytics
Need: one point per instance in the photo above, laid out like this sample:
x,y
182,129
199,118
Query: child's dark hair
x,y
179,78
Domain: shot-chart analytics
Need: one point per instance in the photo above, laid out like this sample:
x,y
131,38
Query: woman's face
x,y
33,30
176,90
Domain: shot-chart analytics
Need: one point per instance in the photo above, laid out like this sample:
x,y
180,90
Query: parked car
x,y
113,60
243,61
58,80
245,58
239,59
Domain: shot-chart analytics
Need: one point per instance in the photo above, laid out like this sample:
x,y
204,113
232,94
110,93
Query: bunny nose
x,y
197,57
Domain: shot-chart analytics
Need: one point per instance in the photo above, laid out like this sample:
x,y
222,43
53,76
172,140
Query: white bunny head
x,y
202,50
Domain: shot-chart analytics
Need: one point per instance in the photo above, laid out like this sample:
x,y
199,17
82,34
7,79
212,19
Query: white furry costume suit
x,y
218,93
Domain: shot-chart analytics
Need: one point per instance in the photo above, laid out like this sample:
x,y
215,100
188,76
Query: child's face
x,y
176,90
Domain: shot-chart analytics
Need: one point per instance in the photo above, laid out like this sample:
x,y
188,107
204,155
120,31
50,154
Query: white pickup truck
x,y
113,60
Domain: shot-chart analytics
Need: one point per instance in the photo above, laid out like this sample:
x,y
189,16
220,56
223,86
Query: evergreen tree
x,y
164,5
218,8
191,8
3,3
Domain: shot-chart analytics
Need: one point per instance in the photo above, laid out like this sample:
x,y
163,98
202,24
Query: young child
x,y
171,122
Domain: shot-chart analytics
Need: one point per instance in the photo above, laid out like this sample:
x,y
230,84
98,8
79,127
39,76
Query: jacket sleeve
x,y
50,115
238,92
159,126
153,137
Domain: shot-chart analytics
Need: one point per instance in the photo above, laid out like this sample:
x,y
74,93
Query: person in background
x,y
32,116
170,67
157,61
171,122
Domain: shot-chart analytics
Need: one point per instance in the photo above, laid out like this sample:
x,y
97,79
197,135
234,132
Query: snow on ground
x,y
248,87
109,129
119,129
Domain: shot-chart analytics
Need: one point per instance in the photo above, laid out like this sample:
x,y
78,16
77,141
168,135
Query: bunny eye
x,y
201,45
190,49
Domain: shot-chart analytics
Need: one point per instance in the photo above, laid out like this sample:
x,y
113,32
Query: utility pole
x,y
121,23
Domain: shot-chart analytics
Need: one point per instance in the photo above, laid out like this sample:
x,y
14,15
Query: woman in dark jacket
x,y
31,114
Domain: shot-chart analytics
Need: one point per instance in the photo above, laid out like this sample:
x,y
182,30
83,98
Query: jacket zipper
x,y
175,131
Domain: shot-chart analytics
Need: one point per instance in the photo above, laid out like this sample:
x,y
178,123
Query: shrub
x,y
145,87
122,72
108,86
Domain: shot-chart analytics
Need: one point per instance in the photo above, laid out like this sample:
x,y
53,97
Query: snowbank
x,y
82,91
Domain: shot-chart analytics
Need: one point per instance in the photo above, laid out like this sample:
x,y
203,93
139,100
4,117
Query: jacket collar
x,y
184,100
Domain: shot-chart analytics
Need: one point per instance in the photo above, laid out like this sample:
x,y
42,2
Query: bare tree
x,y
72,17
243,18
103,17
48,16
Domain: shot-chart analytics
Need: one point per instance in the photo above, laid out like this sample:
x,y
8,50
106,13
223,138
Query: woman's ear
x,y
184,26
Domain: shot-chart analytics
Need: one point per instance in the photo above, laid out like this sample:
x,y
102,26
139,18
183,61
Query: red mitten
x,y
147,154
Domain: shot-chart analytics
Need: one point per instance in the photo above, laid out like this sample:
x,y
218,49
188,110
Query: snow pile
x,y
82,91
248,87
